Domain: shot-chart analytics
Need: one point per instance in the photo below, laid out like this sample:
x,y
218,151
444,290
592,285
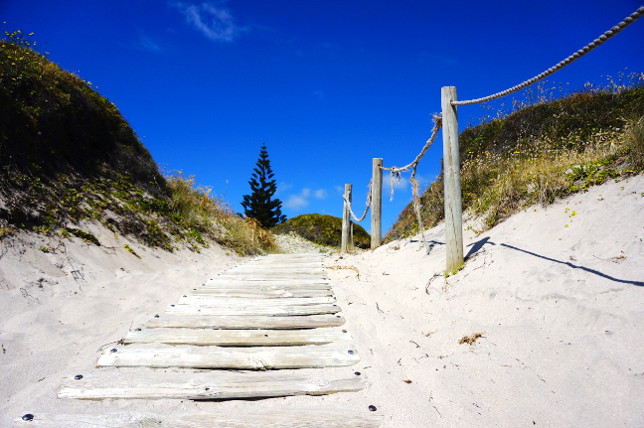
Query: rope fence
x,y
581,52
368,204
448,121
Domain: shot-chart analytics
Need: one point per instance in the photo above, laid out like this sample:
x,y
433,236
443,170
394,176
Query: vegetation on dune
x,y
67,155
540,153
322,229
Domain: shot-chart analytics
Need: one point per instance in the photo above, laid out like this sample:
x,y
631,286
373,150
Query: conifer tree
x,y
259,204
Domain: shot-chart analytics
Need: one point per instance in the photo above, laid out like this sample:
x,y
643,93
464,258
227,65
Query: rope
x,y
581,52
366,210
395,174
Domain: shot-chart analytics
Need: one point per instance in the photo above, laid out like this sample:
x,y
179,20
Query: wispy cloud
x,y
146,43
213,20
301,200
320,194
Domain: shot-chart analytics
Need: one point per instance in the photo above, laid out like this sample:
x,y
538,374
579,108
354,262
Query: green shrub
x,y
322,229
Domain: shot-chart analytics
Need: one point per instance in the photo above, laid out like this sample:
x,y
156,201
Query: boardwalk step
x,y
244,322
280,418
201,300
250,293
257,358
254,310
301,279
200,385
266,285
209,337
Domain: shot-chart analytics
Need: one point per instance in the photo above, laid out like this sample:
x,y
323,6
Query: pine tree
x,y
259,204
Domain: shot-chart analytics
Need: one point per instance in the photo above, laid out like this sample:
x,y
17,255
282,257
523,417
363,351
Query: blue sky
x,y
326,85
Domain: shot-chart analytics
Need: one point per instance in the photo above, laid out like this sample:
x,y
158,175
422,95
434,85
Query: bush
x,y
322,229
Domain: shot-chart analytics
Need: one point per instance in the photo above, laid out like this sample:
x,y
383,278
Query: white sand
x,y
557,297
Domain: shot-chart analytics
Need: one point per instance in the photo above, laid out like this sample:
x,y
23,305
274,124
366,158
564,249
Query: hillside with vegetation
x,y
540,153
68,156
322,229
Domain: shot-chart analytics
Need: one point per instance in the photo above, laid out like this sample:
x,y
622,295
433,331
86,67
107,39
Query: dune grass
x,y
67,155
541,153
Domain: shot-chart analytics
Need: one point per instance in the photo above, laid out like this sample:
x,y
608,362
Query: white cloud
x,y
283,187
302,199
147,44
212,20
320,194
296,202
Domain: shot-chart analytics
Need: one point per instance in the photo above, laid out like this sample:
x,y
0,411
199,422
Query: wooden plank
x,y
265,277
215,357
250,293
269,285
191,299
244,322
199,385
279,418
232,279
210,337
275,269
277,311
279,265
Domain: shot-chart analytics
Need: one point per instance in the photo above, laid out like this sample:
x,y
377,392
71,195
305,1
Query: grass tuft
x,y
539,154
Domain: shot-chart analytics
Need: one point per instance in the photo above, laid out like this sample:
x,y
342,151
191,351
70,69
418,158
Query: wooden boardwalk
x,y
272,312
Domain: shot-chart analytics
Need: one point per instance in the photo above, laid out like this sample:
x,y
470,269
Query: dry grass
x,y
539,154
198,211
496,186
470,340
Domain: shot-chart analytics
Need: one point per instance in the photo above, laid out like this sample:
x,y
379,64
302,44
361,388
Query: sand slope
x,y
557,295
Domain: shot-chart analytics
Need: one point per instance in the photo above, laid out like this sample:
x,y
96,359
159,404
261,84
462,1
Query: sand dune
x,y
552,301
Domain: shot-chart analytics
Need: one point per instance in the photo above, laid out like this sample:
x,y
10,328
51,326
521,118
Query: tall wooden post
x,y
376,203
452,178
346,219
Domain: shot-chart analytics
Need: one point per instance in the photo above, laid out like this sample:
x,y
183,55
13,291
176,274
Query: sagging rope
x,y
581,52
395,175
366,210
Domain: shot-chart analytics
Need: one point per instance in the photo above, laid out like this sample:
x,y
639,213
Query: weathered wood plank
x,y
191,299
264,277
280,418
250,293
215,357
244,322
237,279
268,285
199,385
276,271
209,337
248,310
279,265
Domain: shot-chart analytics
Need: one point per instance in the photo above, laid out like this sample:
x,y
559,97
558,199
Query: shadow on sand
x,y
476,246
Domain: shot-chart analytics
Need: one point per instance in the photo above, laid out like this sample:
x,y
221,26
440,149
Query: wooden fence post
x,y
376,203
452,181
346,219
